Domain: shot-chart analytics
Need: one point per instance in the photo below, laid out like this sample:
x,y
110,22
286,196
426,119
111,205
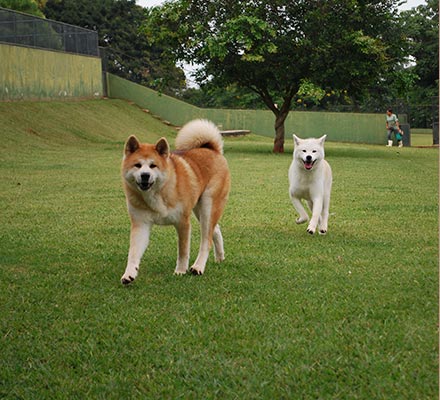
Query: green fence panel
x,y
35,74
339,127
175,111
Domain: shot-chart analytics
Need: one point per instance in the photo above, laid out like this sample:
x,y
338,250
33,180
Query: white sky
x,y
406,6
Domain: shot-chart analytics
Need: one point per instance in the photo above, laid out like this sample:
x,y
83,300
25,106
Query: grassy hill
x,y
48,124
350,315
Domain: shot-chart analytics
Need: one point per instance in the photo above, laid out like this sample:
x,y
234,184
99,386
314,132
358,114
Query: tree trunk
x,y
278,143
280,113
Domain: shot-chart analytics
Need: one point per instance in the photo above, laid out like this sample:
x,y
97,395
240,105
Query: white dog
x,y
310,178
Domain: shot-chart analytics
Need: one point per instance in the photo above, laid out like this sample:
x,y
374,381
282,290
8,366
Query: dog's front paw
x,y
127,279
301,220
130,275
196,270
323,232
219,258
312,227
181,267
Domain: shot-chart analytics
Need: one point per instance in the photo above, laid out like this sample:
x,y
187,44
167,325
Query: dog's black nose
x,y
145,177
309,158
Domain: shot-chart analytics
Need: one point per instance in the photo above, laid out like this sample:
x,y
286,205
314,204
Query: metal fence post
x,y
406,139
435,133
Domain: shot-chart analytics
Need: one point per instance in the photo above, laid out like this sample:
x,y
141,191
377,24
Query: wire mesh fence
x,y
27,30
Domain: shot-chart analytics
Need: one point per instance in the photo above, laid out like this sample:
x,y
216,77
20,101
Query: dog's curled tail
x,y
199,133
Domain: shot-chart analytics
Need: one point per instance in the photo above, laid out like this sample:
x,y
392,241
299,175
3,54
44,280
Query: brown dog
x,y
163,187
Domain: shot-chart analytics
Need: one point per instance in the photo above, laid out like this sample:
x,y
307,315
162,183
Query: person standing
x,y
392,124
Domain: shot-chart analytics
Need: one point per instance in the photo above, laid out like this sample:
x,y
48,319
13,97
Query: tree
x,y
118,24
421,27
272,46
25,6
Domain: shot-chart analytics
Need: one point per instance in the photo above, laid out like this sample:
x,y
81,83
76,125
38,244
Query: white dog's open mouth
x,y
309,164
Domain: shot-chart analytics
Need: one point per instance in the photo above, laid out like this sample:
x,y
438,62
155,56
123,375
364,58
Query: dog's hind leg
x,y
219,252
208,212
203,213
184,235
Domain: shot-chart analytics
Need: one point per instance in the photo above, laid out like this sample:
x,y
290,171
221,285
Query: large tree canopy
x,y
273,47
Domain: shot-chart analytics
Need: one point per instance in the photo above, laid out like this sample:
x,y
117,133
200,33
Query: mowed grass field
x,y
349,315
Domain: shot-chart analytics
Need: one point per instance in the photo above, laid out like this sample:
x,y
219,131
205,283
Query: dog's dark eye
x,y
138,165
304,151
152,166
314,151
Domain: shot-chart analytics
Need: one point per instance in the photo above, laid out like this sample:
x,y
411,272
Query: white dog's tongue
x,y
308,165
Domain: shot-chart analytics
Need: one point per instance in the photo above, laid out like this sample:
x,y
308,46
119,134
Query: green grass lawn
x,y
350,315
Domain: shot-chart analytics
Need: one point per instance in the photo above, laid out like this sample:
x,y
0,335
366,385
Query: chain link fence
x,y
27,30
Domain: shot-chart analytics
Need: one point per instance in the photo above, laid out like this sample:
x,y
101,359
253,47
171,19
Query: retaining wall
x,y
340,127
36,74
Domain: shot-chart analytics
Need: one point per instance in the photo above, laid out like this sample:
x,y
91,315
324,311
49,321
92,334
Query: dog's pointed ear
x,y
162,147
132,145
322,139
296,140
